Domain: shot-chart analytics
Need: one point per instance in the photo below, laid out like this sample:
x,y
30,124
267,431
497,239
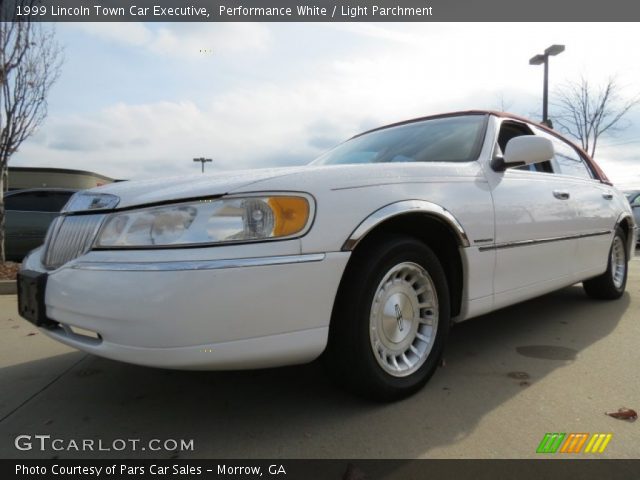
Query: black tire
x,y
603,287
350,354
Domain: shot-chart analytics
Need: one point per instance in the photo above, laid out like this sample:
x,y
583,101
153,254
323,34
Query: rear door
x,y
596,205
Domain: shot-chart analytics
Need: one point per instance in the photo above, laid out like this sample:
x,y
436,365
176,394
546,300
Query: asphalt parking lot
x,y
553,364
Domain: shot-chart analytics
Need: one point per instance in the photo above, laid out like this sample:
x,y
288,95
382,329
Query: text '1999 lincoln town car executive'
x,y
366,256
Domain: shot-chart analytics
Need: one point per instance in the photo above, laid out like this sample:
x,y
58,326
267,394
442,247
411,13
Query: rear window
x,y
447,139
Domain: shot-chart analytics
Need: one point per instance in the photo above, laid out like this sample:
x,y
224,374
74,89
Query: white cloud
x,y
183,39
375,31
133,141
129,33
389,72
621,163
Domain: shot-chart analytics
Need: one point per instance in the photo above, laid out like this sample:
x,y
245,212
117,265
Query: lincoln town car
x,y
366,257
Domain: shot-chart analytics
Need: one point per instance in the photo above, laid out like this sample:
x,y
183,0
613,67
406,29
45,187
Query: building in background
x,y
43,177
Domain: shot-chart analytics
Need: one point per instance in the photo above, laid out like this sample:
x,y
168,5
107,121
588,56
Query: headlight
x,y
208,221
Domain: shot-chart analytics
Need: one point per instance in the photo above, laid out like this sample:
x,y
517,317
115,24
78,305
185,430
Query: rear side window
x,y
39,201
567,160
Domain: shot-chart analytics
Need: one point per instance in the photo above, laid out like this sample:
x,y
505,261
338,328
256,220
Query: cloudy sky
x,y
141,100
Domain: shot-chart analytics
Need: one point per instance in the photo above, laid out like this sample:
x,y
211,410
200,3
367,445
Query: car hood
x,y
308,178
142,192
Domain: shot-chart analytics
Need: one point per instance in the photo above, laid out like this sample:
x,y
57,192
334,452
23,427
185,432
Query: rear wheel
x,y
611,284
390,320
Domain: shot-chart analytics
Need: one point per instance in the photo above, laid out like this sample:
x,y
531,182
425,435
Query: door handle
x,y
607,196
561,194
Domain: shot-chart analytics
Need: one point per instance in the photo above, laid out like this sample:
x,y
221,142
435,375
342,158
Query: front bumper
x,y
222,314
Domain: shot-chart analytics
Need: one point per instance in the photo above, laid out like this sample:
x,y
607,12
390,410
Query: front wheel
x,y
611,284
390,320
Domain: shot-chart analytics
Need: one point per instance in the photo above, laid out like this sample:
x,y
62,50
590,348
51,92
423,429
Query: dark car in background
x,y
28,216
634,199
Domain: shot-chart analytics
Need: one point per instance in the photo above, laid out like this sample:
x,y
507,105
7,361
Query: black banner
x,y
322,469
318,11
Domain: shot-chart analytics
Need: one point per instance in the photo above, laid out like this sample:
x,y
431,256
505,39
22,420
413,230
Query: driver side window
x,y
510,129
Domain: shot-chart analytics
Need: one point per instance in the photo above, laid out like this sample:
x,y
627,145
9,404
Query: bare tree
x,y
503,104
586,112
30,63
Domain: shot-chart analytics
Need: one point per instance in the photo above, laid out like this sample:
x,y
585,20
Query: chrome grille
x,y
69,237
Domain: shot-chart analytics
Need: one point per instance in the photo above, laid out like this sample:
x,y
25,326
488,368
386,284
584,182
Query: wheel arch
x,y
403,208
429,223
627,224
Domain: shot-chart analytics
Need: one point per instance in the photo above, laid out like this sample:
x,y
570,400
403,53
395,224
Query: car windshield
x,y
446,139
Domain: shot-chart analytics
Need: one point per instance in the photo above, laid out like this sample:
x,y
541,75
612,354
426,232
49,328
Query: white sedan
x,y
366,256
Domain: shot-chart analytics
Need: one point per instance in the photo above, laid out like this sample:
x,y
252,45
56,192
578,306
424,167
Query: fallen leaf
x,y
624,414
30,334
9,270
518,375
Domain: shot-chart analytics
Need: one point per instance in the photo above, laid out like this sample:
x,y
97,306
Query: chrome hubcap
x,y
404,319
618,263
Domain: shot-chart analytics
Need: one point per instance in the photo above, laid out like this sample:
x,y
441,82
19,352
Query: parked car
x,y
28,216
634,200
366,256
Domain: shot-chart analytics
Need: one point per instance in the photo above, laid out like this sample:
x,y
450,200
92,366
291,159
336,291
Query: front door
x,y
535,226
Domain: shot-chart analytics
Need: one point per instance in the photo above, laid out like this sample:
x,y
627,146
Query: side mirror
x,y
527,149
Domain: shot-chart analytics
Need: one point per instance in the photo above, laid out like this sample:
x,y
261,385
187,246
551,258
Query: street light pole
x,y
202,160
543,59
545,91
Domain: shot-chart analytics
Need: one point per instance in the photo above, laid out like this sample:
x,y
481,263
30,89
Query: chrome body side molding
x,y
524,243
197,264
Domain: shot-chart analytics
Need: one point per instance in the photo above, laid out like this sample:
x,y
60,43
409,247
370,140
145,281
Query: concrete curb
x,y
8,287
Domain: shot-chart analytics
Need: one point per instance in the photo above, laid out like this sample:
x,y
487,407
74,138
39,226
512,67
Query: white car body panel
x,y
234,306
525,209
214,328
158,190
245,313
